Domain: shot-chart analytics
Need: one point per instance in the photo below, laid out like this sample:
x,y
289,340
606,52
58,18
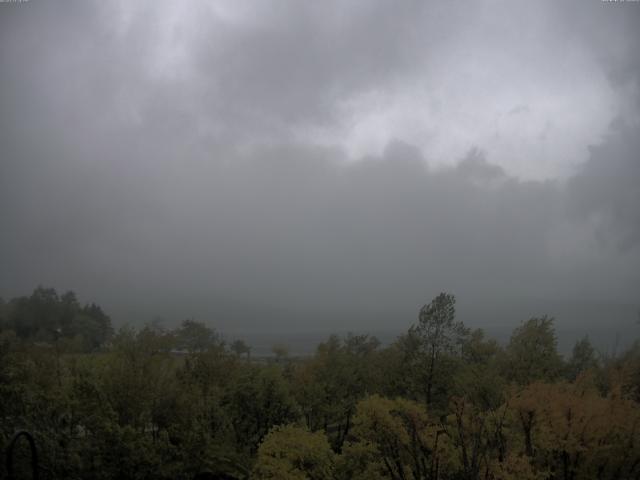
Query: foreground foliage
x,y
442,402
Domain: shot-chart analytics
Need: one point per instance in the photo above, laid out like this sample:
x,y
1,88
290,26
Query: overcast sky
x,y
247,162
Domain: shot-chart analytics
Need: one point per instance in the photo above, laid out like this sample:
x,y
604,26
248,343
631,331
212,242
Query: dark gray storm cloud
x,y
606,189
291,163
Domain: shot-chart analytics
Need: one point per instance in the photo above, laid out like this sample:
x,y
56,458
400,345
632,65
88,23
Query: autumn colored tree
x,y
573,432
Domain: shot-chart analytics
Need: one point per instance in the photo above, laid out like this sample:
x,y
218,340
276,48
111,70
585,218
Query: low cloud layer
x,y
293,163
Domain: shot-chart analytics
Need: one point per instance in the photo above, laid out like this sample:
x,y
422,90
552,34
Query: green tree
x,y
97,329
280,351
257,399
194,336
239,347
329,385
532,352
583,358
478,378
434,343
47,317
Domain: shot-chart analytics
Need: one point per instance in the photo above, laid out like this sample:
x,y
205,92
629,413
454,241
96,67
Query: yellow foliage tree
x,y
293,453
395,439
573,432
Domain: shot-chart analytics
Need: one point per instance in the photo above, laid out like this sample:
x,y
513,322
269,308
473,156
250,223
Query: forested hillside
x,y
441,402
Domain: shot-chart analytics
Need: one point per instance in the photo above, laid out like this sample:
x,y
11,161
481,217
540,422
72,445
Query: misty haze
x,y
275,239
